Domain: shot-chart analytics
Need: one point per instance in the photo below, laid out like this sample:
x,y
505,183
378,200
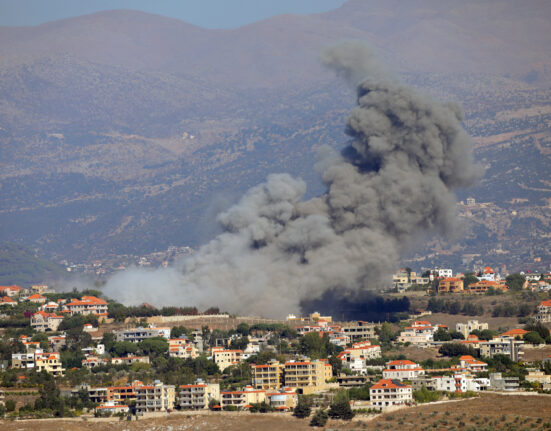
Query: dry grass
x,y
486,413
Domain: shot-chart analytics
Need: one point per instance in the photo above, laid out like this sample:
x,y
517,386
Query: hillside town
x,y
79,353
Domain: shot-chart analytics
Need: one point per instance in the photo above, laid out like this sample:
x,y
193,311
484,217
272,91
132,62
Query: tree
x,y
515,281
540,329
122,348
319,419
456,349
385,333
336,364
243,329
469,278
302,409
442,335
533,338
240,343
340,407
154,346
10,405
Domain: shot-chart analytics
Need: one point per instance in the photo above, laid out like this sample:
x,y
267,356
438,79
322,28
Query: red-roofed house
x,y
389,393
402,370
42,321
420,333
36,298
6,300
87,305
517,332
11,291
467,362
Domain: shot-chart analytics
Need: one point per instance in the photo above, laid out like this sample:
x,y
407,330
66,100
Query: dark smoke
x,y
395,179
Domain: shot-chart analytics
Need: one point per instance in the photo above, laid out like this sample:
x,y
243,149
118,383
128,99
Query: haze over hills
x,y
120,130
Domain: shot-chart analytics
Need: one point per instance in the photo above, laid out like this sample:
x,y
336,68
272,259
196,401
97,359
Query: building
x,y
243,398
420,332
488,274
459,382
307,376
42,321
111,408
92,361
362,351
442,272
481,287
284,399
539,377
136,335
390,393
499,382
49,362
6,300
360,330
470,326
269,376
198,396
87,305
36,298
11,291
450,285
226,358
157,397
502,346
516,332
543,314
129,360
402,370
467,362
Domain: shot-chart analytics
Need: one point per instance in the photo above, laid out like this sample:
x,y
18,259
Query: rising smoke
x,y
395,178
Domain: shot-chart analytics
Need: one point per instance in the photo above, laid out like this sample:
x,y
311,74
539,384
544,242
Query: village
x,y
78,354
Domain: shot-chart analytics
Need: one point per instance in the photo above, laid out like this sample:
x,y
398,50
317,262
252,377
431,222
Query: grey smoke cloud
x,y
396,178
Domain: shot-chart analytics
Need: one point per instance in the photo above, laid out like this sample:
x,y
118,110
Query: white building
x,y
390,393
402,370
471,325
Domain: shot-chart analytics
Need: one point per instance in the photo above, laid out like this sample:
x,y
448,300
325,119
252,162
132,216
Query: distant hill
x,y
123,132
19,265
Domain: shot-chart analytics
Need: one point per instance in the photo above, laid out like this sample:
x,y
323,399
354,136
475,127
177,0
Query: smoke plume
x,y
395,178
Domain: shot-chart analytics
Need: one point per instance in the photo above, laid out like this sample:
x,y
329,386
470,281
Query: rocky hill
x,y
124,132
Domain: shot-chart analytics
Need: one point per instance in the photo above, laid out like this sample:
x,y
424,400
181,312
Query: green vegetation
x,y
319,419
340,407
423,395
19,265
303,408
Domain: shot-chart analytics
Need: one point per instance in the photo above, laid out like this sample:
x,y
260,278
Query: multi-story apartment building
x,y
482,287
87,305
39,360
307,376
360,330
157,397
402,370
225,358
198,396
136,335
243,398
503,383
450,285
459,382
390,393
508,346
269,376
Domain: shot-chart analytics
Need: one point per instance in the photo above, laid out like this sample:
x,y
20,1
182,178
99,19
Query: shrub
x,y
319,419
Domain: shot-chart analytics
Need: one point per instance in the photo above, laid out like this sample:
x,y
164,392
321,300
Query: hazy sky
x,y
205,13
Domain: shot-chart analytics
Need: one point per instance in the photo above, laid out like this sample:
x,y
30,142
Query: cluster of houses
x,y
487,279
275,383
